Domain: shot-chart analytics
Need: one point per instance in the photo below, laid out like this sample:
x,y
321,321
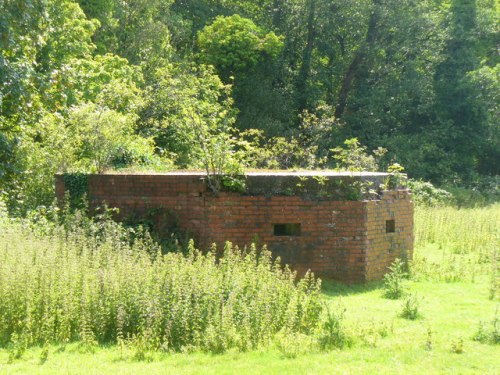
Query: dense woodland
x,y
224,85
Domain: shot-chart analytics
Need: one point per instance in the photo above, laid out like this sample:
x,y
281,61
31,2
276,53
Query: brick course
x,y
339,239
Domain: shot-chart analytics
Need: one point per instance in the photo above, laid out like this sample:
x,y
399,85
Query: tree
x,y
460,111
108,80
355,158
386,96
245,55
189,113
485,81
134,29
48,69
101,138
355,67
234,44
37,40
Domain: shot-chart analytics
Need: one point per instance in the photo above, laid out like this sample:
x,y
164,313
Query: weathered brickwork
x,y
350,241
382,247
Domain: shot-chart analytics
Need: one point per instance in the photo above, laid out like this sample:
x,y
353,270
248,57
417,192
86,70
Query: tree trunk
x,y
354,68
305,68
278,14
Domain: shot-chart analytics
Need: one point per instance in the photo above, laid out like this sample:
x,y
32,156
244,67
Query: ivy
x,y
77,188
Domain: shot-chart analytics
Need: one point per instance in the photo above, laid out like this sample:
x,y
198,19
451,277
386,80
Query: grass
x,y
383,343
454,275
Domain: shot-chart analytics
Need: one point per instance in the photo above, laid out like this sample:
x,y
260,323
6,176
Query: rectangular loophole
x,y
390,226
288,229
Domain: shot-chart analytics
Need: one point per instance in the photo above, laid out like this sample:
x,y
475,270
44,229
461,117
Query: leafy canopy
x,y
234,43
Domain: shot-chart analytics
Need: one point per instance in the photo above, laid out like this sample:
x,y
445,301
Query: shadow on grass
x,y
336,289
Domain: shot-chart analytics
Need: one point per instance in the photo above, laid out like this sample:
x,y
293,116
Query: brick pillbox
x,y
312,220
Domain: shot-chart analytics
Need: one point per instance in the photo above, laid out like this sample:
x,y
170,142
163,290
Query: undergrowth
x,y
411,308
489,332
95,282
464,243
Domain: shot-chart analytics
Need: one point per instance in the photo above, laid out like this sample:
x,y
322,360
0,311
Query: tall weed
x,y
489,333
394,281
411,308
454,244
333,333
97,282
462,231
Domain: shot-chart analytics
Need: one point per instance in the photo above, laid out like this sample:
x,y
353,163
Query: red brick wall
x,y
170,201
332,240
383,247
342,240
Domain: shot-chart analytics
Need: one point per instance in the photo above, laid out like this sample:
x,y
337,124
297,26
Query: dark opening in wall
x,y
390,226
287,229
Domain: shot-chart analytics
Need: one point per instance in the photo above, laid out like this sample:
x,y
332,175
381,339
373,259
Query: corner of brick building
x,y
390,232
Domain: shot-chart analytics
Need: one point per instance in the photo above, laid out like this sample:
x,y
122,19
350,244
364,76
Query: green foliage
x,y
77,186
411,308
44,354
39,40
355,158
394,281
89,139
486,83
3,208
18,346
461,230
288,153
429,340
234,43
426,194
135,30
101,137
369,322
75,284
301,150
292,345
40,153
462,113
483,191
256,151
333,334
108,80
50,80
70,35
7,160
233,182
418,78
489,333
495,274
396,179
193,118
457,346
